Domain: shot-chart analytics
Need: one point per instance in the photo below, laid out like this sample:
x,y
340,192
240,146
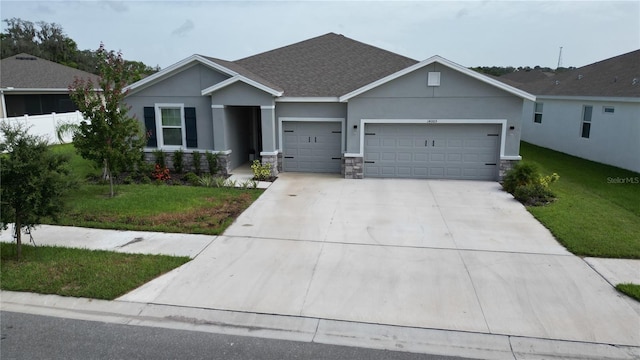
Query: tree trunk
x,y
18,226
111,192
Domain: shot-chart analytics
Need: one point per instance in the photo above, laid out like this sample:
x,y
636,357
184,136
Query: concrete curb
x,y
324,331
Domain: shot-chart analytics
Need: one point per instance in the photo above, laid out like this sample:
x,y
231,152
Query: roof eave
x,y
37,90
445,62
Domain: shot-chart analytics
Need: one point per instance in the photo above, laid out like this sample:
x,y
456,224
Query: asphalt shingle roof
x,y
244,72
330,65
613,77
24,71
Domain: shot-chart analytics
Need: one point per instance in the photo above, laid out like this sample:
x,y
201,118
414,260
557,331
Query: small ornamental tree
x,y
33,180
111,138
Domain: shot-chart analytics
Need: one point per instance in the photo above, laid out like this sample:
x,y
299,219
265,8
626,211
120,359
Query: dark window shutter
x,y
150,125
190,124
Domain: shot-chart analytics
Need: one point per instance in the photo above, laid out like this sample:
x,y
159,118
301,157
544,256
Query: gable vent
x,y
26,58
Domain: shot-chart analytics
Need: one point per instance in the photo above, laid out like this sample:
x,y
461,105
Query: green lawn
x,y
178,209
596,214
164,208
632,290
80,273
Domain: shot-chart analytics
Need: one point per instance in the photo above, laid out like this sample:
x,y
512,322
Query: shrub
x,y
207,180
178,157
527,186
160,158
249,184
212,161
197,157
522,174
192,179
161,173
261,172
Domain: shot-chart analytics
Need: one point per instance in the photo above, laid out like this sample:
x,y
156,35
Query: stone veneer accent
x,y
353,167
273,160
505,165
224,161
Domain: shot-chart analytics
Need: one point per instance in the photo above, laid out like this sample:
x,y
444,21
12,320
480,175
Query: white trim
x,y
346,155
312,119
310,99
217,106
4,105
188,150
590,98
243,79
501,122
178,67
447,63
511,157
267,107
38,90
159,135
269,153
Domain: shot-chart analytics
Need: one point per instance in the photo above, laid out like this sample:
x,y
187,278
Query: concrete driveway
x,y
455,255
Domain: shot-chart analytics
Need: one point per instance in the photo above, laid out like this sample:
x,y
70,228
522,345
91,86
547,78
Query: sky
x,y
470,33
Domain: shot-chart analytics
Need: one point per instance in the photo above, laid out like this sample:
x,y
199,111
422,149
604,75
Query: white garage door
x,y
432,151
312,146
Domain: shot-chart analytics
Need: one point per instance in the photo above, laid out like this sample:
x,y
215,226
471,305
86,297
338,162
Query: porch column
x,y
219,116
269,151
219,127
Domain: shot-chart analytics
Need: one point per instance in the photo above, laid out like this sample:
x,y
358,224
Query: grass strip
x,y
597,213
78,272
632,290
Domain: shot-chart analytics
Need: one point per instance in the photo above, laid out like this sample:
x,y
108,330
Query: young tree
x,y
33,179
111,138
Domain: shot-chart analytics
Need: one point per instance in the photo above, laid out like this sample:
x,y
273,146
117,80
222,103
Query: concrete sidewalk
x,y
440,267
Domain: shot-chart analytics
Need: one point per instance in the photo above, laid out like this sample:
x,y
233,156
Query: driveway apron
x,y
455,255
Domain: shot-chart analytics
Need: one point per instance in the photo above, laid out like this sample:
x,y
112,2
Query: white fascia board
x,y
590,98
177,67
310,99
447,63
243,79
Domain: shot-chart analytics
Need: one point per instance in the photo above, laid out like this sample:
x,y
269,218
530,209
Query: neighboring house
x,y
335,105
30,85
592,112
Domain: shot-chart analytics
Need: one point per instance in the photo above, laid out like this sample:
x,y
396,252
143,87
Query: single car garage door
x,y
432,151
312,146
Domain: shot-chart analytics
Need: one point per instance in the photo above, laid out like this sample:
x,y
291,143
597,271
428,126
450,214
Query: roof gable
x,y
447,63
225,67
28,72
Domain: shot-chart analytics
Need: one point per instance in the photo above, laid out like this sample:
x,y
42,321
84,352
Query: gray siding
x,y
239,94
182,88
614,138
458,97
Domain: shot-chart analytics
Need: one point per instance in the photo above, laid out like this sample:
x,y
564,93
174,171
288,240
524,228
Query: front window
x,y
586,121
537,116
171,132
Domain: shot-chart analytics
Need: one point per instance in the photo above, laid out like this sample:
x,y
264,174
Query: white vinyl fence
x,y
46,125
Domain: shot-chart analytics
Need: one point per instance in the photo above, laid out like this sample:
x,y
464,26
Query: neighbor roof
x,y
330,65
24,71
618,76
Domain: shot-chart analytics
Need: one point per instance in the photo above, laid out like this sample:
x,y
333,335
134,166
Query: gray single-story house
x,y
592,112
331,104
30,85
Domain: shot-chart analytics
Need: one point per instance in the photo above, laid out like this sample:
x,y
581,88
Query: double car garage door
x,y
430,151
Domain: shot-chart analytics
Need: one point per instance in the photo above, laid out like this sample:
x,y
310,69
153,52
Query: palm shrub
x,y
178,157
526,184
212,161
196,158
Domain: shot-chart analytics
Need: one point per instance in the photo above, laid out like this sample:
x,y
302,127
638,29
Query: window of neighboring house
x,y
608,109
171,125
537,115
586,121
